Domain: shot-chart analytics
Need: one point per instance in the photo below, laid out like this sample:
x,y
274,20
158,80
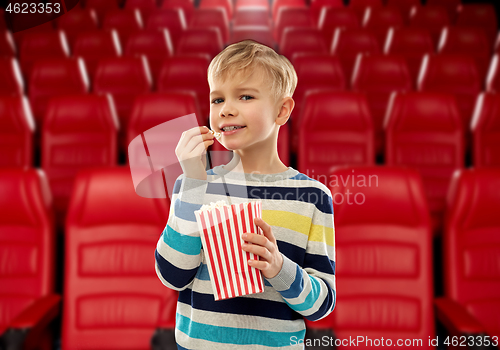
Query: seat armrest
x,y
42,311
26,329
456,319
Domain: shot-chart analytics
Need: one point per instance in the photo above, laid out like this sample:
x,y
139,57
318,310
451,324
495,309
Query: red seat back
x,y
335,129
317,71
348,43
384,253
79,132
125,21
11,77
433,18
77,21
200,41
314,72
493,77
27,241
291,17
315,8
55,77
227,5
405,6
186,6
279,3
124,78
378,76
379,20
187,73
41,45
412,44
171,19
155,44
252,3
450,5
154,109
472,41
101,7
479,15
7,45
297,39
454,74
16,132
94,45
112,297
470,244
261,34
251,16
360,6
485,128
46,27
211,17
146,7
332,18
424,131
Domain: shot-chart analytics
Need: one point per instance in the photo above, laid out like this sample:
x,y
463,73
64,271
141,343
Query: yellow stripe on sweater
x,y
301,224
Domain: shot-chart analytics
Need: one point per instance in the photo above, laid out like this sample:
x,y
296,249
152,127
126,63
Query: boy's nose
x,y
227,110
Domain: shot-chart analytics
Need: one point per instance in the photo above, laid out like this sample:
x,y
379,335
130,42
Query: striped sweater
x,y
300,212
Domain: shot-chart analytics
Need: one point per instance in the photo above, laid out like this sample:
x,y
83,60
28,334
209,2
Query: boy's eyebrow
x,y
238,89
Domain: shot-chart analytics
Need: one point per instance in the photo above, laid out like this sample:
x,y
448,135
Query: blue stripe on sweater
x,y
188,245
237,336
252,306
185,210
320,263
328,303
204,275
310,298
314,195
179,278
296,286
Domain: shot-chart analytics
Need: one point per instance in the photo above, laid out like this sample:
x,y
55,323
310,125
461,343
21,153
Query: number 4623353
x,y
33,7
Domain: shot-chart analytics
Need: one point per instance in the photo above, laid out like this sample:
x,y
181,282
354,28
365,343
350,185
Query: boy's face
x,y
249,104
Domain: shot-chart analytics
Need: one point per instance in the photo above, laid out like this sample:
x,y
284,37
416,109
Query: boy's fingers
x,y
266,228
259,264
259,240
257,250
187,135
192,139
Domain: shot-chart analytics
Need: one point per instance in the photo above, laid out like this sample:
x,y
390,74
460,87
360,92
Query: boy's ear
x,y
286,109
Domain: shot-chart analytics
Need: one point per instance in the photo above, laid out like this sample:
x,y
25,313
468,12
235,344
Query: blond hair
x,y
248,54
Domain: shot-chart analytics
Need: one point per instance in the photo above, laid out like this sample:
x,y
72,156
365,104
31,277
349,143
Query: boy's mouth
x,y
229,130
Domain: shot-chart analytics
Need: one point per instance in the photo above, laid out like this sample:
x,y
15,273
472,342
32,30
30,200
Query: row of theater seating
x,y
113,299
162,39
376,75
421,129
410,43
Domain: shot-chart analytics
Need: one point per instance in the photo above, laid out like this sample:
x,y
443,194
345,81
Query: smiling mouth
x,y
231,128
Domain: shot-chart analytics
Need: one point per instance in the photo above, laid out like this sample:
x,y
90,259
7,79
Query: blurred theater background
x,y
404,93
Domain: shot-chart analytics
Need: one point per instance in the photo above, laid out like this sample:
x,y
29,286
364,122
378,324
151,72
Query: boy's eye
x,y
244,97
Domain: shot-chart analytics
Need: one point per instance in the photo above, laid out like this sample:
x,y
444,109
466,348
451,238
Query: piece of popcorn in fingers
x,y
216,134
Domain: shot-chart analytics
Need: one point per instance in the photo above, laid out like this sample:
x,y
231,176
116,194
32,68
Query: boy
x,y
251,87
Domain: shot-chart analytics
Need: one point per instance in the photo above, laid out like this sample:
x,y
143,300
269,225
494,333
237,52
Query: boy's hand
x,y
191,151
265,247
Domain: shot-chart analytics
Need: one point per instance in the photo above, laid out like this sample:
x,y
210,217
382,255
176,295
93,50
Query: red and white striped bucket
x,y
221,230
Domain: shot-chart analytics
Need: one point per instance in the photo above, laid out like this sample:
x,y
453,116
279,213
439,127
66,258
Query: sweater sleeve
x,y
178,251
310,289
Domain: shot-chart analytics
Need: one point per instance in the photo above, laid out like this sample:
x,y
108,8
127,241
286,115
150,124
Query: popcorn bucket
x,y
221,227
